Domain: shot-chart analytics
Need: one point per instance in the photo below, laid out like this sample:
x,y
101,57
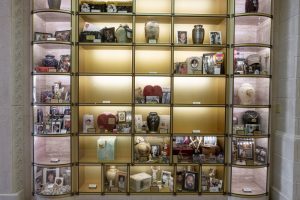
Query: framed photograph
x,y
210,141
179,180
39,128
155,151
194,65
88,122
59,181
39,36
49,175
191,181
181,68
121,116
138,123
63,35
56,127
208,63
165,177
121,180
164,123
182,37
179,140
245,150
215,37
108,34
252,128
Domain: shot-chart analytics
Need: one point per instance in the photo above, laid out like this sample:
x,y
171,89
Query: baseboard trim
x,y
14,196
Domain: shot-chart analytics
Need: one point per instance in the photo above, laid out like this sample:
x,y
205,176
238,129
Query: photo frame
x,y
245,152
208,63
121,181
215,37
49,175
181,68
252,128
155,151
152,99
190,181
165,176
40,36
194,65
59,181
56,127
210,141
63,35
182,37
121,116
108,35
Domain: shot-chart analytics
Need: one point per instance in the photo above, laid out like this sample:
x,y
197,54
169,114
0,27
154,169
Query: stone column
x,y
285,158
14,101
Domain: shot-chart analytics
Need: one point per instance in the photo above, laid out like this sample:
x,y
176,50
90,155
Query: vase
x,y
64,63
54,4
251,6
153,122
198,34
50,61
111,175
151,31
143,149
124,34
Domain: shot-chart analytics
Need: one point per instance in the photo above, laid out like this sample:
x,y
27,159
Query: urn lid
x,y
198,26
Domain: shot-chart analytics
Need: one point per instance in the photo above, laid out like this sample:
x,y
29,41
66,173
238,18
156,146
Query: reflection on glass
x,y
52,181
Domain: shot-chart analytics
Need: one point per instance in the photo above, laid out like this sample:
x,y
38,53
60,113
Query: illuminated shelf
x,y
52,42
104,13
252,45
253,14
52,104
251,76
51,11
202,75
53,135
251,106
250,136
201,105
103,44
103,74
51,73
54,16
104,104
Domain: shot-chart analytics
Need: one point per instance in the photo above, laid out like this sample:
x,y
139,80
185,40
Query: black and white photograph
x,y
155,151
108,34
121,181
50,175
215,37
59,181
182,37
194,65
56,127
121,116
165,177
252,128
64,36
190,181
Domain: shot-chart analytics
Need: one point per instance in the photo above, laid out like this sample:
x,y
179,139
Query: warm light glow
x,y
201,6
144,80
150,6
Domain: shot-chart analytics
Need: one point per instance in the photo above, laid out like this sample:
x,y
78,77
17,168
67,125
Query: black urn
x,y
153,122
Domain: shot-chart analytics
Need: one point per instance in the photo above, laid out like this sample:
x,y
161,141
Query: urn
x,y
50,61
54,4
111,175
124,34
151,31
198,34
153,122
246,94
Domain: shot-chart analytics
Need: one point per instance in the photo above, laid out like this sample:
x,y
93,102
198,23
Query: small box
x,y
106,148
140,182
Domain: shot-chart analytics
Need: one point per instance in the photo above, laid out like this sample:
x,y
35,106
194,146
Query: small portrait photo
x,y
152,99
108,34
50,175
210,141
194,65
121,181
59,181
215,37
190,181
165,177
182,37
63,35
56,127
155,151
38,36
39,128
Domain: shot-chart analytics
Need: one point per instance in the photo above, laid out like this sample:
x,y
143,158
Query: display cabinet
x,y
52,111
252,70
137,97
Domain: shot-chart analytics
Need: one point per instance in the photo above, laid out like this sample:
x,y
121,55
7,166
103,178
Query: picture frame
x,y
121,116
152,99
190,181
56,127
121,181
40,36
245,152
164,124
210,141
64,35
165,176
181,68
59,181
194,65
49,175
215,37
208,63
88,122
252,129
182,37
108,35
155,151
